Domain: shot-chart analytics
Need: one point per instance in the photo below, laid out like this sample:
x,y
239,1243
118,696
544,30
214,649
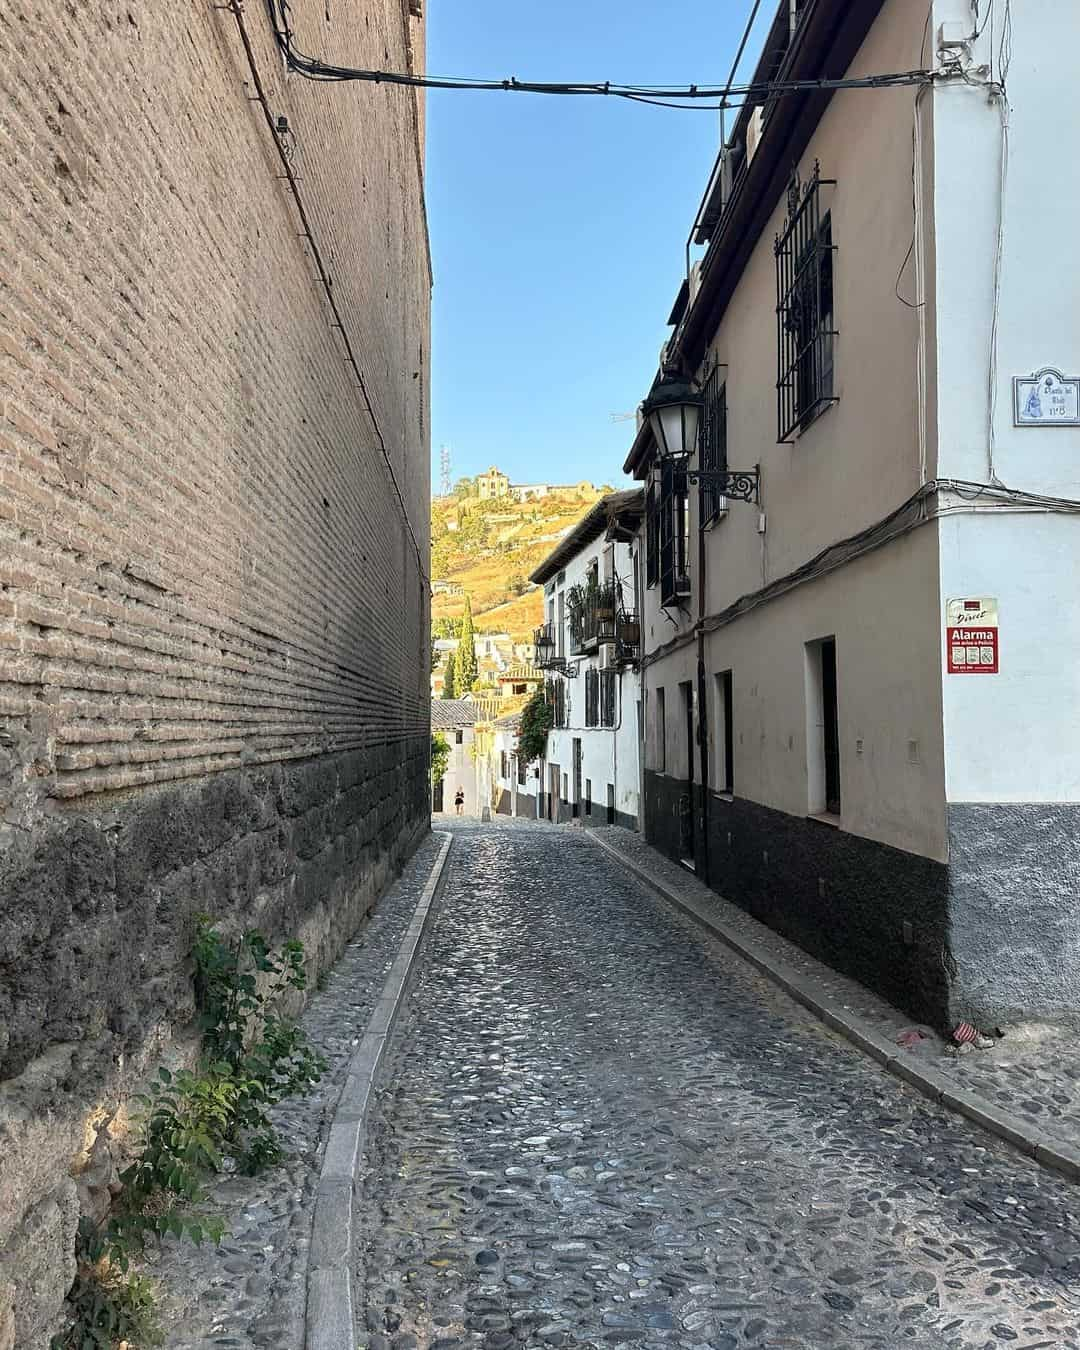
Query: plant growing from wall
x,y
440,757
537,719
191,1121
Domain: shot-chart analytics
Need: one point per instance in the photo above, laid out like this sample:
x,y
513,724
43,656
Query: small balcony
x,y
627,637
593,610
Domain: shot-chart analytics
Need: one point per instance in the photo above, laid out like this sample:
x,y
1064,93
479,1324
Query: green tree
x,y
450,687
537,720
466,655
440,757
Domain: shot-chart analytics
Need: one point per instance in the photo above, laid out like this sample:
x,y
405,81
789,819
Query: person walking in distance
x,y
459,801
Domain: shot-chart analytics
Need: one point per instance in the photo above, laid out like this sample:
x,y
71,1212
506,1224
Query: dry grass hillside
x,y
488,548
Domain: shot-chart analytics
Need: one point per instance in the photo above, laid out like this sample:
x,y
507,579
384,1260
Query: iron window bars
x,y
607,697
592,698
652,538
672,510
804,309
713,457
558,697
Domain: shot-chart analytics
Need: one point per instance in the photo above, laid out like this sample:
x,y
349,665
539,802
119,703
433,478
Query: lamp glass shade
x,y
675,427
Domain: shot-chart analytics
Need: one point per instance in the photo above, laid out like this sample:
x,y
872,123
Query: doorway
x,y
686,797
576,800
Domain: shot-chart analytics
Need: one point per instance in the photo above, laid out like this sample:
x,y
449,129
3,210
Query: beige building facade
x,y
811,746
214,544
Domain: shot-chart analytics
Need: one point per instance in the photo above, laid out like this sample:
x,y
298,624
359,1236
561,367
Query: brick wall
x,y
213,624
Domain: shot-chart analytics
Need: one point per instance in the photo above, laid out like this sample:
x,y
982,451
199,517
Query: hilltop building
x,y
495,483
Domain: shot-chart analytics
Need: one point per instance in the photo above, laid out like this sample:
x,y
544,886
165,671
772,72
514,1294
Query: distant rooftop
x,y
447,713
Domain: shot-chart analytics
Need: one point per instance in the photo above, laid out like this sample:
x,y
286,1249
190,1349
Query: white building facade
x,y
517,782
860,685
455,719
589,645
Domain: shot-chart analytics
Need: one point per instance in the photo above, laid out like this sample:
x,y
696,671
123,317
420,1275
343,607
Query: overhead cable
x,y
692,95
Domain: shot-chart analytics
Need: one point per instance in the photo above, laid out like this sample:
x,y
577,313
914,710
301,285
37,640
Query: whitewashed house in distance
x,y
518,782
589,645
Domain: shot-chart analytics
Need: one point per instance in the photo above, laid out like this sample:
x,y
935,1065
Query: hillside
x,y
489,547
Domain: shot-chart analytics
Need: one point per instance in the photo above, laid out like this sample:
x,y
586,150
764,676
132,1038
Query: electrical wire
x,y
314,68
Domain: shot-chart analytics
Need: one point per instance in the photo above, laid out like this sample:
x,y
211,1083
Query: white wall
x,y
1015,736
609,754
505,739
1039,292
461,771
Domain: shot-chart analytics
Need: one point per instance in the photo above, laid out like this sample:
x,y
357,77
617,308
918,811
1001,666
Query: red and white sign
x,y
971,636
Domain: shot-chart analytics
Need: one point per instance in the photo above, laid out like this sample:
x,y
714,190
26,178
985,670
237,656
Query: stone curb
x,y
330,1315
931,1082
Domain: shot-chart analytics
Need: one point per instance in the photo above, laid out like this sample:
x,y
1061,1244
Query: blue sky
x,y
558,225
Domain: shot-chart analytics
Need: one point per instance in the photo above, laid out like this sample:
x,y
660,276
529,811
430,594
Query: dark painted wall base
x,y
991,937
526,806
842,898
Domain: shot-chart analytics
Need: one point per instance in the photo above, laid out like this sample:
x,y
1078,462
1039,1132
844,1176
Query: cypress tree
x,y
466,662
450,682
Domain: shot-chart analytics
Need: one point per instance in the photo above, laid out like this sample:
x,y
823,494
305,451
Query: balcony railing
x,y
592,613
627,638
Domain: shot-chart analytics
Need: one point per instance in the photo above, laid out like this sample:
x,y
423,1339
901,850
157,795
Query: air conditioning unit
x,y
753,132
606,657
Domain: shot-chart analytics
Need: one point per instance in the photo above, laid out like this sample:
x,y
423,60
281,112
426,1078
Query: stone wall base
x,y
98,913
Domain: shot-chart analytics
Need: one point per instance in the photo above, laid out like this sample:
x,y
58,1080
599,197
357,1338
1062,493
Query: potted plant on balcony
x,y
576,600
628,630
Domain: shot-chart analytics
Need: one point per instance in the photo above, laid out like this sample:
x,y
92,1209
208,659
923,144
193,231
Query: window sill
x,y
813,418
829,818
724,796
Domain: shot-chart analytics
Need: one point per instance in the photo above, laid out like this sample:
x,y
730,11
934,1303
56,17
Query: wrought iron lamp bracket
x,y
741,485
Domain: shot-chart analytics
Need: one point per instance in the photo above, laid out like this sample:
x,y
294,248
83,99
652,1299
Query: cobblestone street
x,y
598,1126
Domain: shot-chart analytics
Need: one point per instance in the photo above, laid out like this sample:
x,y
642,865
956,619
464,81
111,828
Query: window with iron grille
x,y
560,703
592,697
607,698
713,443
504,764
804,309
521,769
674,579
652,538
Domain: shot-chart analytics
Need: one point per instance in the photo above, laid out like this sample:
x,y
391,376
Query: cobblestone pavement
x,y
251,1290
1034,1071
599,1126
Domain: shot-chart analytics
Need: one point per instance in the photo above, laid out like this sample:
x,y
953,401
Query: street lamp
x,y
545,646
673,409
